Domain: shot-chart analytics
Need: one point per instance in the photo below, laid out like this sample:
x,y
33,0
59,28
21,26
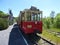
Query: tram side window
x,y
28,17
22,18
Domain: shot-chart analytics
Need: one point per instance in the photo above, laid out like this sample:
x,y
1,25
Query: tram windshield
x,y
34,17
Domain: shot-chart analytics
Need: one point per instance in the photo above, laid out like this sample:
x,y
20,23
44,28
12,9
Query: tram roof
x,y
32,11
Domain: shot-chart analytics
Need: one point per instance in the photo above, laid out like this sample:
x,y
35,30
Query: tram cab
x,y
30,20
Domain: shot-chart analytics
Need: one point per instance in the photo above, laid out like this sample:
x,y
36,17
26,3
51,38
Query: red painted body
x,y
31,26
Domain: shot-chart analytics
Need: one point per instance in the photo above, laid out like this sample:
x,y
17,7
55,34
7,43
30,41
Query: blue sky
x,y
17,5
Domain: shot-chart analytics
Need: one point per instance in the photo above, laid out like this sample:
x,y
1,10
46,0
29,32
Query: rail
x,y
47,41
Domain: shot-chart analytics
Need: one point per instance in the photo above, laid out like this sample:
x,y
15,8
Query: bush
x,y
46,23
57,21
3,24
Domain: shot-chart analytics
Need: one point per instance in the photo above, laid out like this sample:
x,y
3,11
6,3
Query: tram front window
x,y
36,17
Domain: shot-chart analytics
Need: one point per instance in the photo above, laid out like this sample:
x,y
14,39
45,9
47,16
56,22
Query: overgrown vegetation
x,y
48,23
3,21
52,25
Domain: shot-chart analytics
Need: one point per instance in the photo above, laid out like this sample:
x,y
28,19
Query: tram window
x,y
35,17
22,18
28,17
39,17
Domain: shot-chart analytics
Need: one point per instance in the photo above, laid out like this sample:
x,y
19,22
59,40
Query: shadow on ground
x,y
15,37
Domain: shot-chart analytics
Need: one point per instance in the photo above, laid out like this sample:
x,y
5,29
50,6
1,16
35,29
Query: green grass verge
x,y
51,36
55,29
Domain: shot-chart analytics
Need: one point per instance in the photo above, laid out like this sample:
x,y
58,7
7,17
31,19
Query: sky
x,y
19,5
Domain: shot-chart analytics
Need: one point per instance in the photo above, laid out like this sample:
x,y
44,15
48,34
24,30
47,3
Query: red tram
x,y
30,20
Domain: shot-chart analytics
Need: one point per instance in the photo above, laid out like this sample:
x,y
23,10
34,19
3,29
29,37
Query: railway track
x,y
46,42
33,39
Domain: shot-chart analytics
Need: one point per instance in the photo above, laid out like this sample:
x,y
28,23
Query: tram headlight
x,y
29,26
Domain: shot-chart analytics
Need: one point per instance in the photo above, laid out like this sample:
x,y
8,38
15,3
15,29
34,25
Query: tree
x,y
57,21
2,14
46,22
3,21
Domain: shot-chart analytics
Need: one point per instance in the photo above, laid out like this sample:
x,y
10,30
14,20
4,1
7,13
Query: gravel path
x,y
4,35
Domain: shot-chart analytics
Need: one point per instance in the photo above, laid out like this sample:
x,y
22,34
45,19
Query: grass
x,y
55,29
50,36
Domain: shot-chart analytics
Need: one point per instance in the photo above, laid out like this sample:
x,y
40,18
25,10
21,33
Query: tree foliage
x,y
3,21
46,22
57,21
2,14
